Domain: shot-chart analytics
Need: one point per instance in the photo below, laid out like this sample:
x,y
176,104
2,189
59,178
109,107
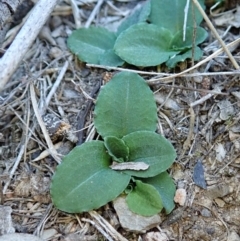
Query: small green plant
x,y
130,159
152,35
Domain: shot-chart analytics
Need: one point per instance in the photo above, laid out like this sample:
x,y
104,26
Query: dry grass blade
x,y
117,236
52,150
210,25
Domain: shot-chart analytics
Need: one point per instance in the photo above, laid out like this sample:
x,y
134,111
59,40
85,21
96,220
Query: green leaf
x,y
126,104
144,45
165,186
171,63
116,148
170,14
109,58
151,148
90,44
84,181
179,45
140,15
144,200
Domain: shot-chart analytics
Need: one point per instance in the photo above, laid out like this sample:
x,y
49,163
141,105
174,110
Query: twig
x,y
190,132
98,227
76,14
94,12
15,166
21,44
107,226
215,54
46,153
52,150
165,77
58,81
83,115
200,101
210,25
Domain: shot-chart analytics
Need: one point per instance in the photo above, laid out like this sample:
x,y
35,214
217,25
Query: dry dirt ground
x,y
206,132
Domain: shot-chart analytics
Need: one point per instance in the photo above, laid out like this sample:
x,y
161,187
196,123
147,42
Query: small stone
x,y
233,236
55,53
219,190
206,213
48,233
155,236
219,202
19,237
180,196
131,221
198,175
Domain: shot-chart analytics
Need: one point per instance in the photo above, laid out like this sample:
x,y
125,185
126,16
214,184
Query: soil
x,y
206,136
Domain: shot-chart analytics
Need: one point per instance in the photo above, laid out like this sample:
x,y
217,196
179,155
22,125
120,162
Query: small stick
x,y
190,133
57,82
97,226
168,77
107,226
52,150
210,25
76,14
200,101
23,41
94,12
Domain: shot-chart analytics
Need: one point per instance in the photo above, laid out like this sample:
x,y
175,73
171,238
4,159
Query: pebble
x,y
48,233
233,236
180,196
131,221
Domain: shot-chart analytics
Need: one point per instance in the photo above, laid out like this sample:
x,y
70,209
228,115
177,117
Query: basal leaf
x,y
198,36
117,149
144,200
126,104
170,14
144,45
182,57
151,148
89,44
109,58
84,181
140,15
165,186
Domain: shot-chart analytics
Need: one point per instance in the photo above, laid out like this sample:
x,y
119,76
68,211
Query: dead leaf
x,y
229,18
226,109
136,166
220,152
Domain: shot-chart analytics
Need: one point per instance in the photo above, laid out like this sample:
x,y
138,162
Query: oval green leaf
x,y
170,14
144,200
199,36
109,58
152,149
89,44
84,181
126,104
165,186
144,45
171,63
117,149
140,15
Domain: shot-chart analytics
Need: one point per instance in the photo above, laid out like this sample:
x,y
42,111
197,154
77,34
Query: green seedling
x,y
129,153
152,35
